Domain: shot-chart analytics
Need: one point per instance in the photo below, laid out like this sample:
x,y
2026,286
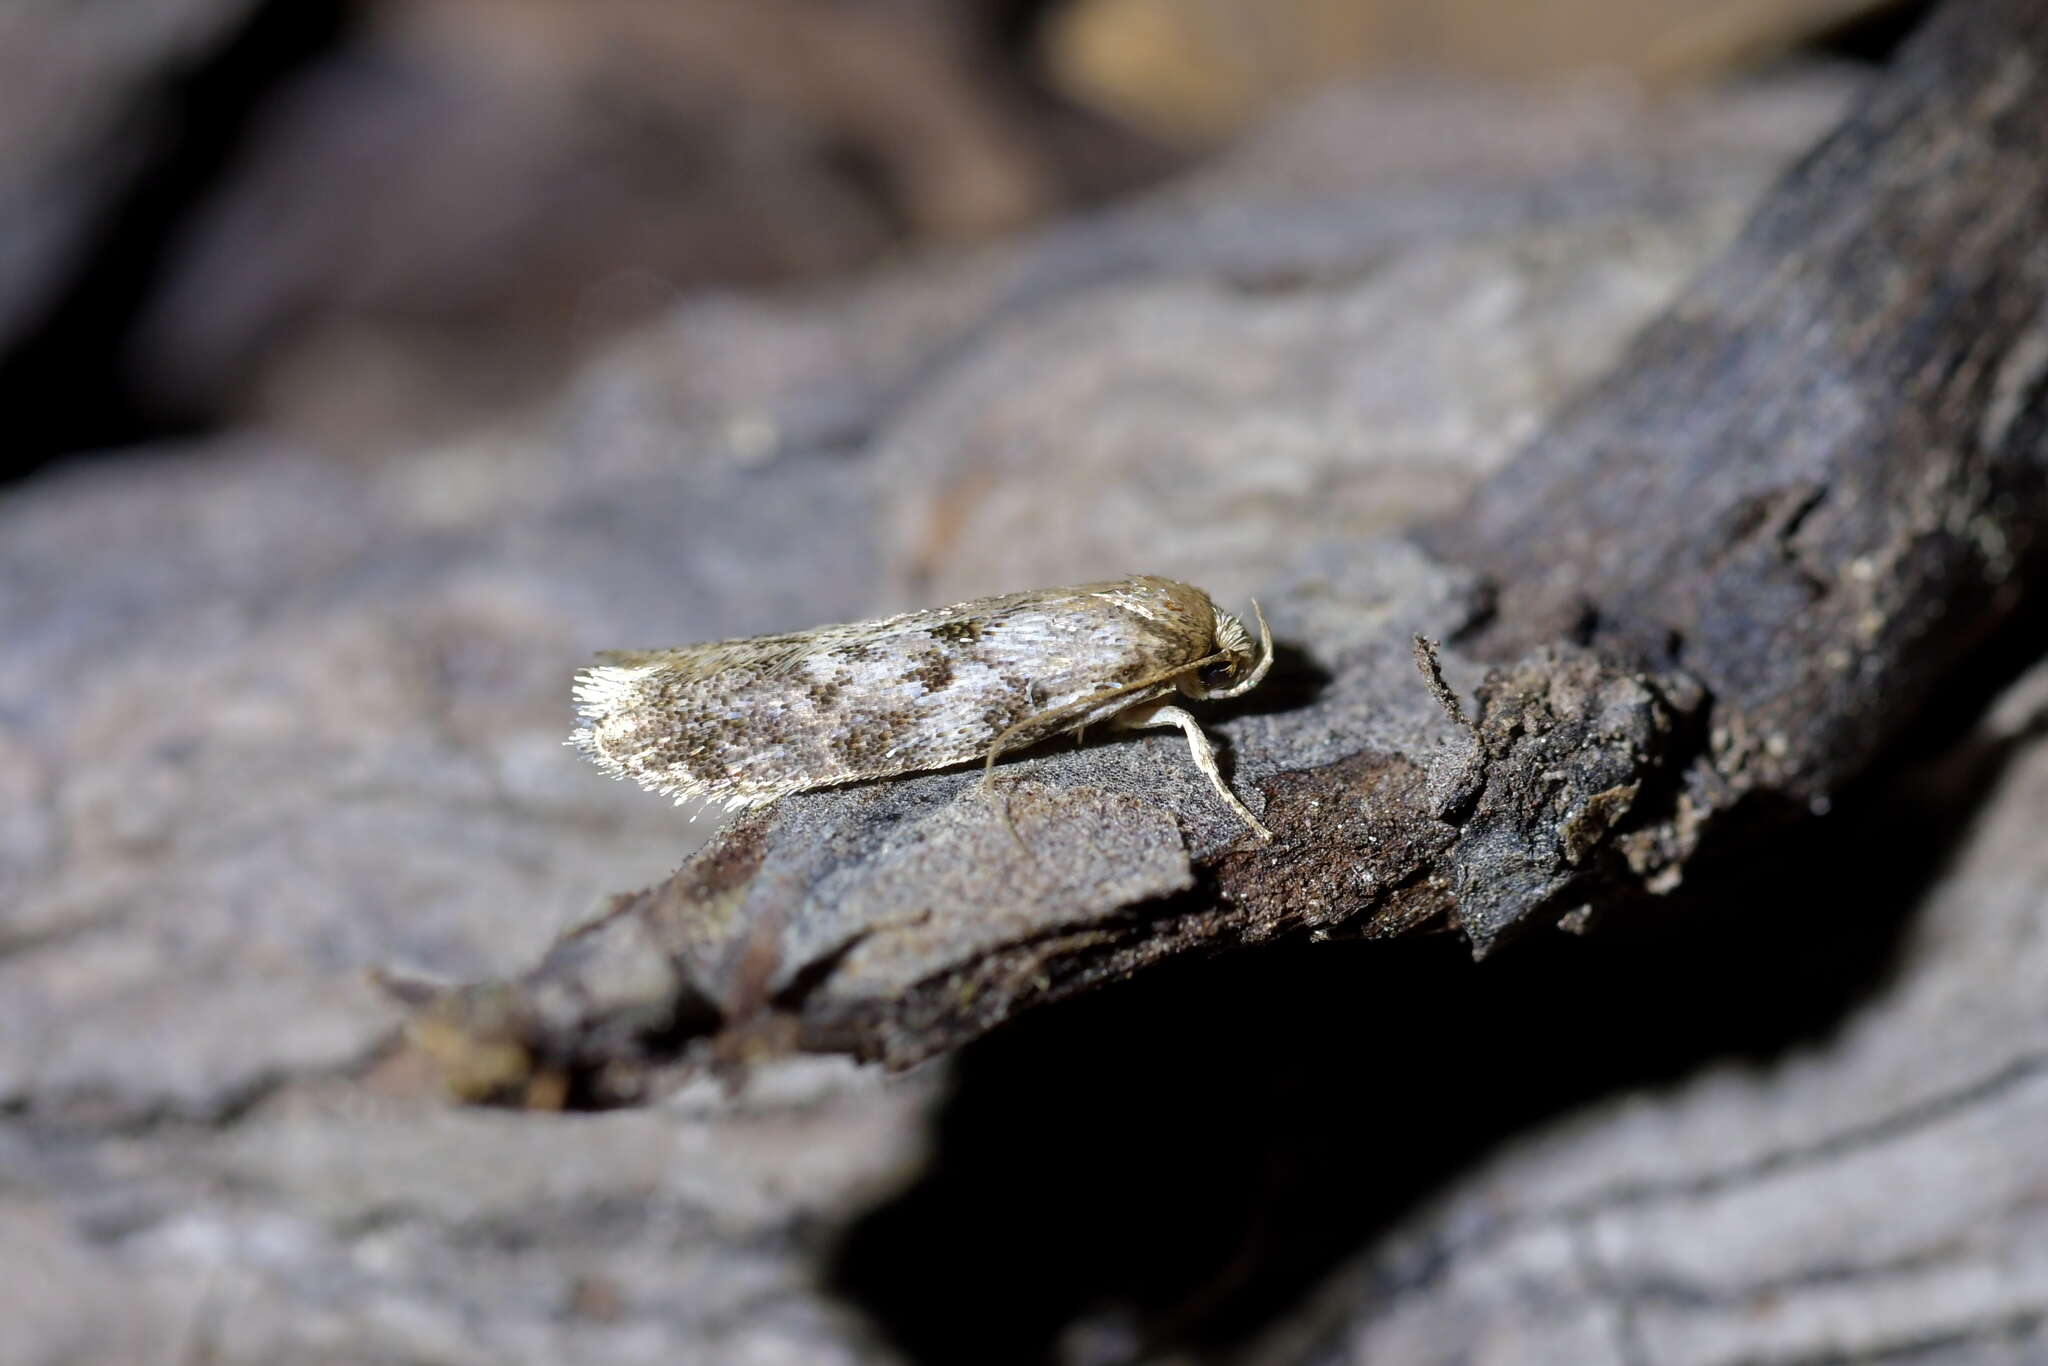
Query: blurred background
x,y
366,364
361,223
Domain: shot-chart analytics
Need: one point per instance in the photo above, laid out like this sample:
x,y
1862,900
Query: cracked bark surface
x,y
1720,584
265,722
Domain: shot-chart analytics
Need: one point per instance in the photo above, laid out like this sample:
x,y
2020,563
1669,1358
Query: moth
x,y
743,722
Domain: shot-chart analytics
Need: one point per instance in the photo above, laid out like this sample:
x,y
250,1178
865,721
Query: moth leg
x,y
1010,824
1001,801
1165,714
987,786
1150,686
1002,741
988,765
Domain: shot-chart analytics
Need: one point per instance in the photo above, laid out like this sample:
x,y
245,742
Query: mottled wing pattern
x,y
745,721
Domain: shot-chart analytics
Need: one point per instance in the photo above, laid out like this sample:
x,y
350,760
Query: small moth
x,y
743,722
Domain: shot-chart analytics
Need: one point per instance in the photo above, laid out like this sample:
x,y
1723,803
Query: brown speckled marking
x,y
933,672
964,631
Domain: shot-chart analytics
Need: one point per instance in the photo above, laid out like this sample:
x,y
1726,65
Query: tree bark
x,y
1720,586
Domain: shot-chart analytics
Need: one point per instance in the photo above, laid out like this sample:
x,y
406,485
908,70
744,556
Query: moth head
x,y
1239,664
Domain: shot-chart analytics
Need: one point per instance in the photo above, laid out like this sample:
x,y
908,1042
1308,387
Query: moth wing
x,y
1108,631
1095,618
780,655
690,663
743,721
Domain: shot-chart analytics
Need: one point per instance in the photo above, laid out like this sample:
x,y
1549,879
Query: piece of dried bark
x,y
1724,582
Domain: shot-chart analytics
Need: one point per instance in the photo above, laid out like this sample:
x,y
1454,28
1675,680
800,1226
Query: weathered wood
x,y
1824,471
1726,579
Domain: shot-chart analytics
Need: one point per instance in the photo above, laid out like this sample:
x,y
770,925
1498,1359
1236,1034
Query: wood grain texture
x,y
1720,585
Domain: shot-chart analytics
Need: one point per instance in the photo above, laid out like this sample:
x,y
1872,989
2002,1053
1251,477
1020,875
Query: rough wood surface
x,y
1719,586
266,721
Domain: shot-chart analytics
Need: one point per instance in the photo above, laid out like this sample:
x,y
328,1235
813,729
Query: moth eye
x,y
1217,674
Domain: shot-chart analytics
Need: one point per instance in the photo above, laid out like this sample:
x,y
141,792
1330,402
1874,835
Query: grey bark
x,y
266,720
1718,587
